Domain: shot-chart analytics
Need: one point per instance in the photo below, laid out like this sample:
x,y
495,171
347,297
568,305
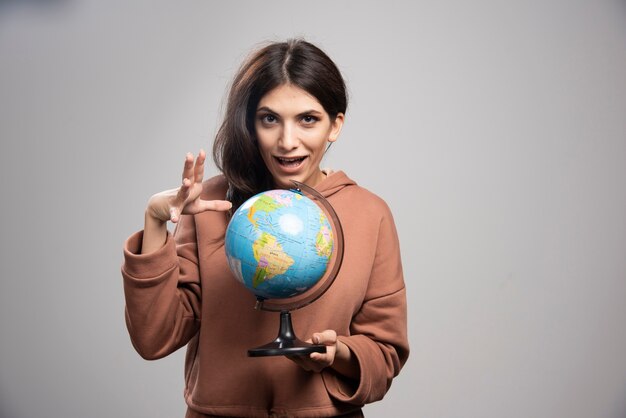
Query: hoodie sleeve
x,y
162,291
378,332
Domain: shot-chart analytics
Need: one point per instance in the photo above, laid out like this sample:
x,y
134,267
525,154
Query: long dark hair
x,y
295,62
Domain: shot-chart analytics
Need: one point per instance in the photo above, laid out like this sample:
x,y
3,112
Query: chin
x,y
284,183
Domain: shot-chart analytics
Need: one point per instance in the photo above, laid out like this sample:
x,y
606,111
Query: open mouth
x,y
290,162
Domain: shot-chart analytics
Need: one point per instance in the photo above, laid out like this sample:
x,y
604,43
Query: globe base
x,y
286,344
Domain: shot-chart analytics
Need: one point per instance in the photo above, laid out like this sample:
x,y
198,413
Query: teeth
x,y
290,162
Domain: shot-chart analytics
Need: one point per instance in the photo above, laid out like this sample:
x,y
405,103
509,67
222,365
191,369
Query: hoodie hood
x,y
334,182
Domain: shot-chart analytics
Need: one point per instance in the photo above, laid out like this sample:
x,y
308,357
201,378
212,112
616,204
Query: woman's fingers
x,y
174,214
327,337
183,193
316,362
188,166
187,199
301,361
216,205
199,205
199,167
193,168
179,202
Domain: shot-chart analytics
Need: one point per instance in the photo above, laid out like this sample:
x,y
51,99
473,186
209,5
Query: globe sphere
x,y
278,244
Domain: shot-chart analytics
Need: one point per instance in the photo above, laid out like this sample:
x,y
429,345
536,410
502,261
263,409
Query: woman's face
x,y
293,130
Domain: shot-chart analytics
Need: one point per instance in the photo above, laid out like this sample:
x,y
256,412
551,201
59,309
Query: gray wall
x,y
496,131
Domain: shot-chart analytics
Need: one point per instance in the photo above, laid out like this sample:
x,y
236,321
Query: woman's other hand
x,y
337,355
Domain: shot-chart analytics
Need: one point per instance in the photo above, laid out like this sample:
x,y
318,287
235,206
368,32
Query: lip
x,y
291,168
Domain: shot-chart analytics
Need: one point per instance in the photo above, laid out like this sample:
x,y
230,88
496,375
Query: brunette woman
x,y
286,105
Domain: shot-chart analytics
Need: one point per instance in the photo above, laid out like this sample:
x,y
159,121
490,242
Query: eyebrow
x,y
306,112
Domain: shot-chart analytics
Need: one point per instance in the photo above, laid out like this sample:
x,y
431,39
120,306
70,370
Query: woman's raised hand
x,y
170,204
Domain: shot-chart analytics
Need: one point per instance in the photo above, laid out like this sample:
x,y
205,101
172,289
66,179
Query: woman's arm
x,y
358,368
162,291
378,342
161,274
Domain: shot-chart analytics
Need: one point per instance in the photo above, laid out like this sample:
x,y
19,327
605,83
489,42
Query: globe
x,y
278,244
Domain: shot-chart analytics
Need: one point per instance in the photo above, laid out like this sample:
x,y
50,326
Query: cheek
x,y
314,136
317,139
264,141
310,134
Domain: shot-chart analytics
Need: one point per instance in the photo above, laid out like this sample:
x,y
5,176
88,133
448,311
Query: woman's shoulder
x,y
349,192
214,188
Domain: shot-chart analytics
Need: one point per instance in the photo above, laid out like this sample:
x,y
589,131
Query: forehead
x,y
287,97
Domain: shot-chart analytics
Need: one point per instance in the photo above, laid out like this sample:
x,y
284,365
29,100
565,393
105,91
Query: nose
x,y
289,137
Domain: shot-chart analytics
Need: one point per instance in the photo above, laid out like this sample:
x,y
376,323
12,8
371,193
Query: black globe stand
x,y
286,344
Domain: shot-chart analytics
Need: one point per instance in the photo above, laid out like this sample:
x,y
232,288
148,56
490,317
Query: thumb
x,y
216,205
328,337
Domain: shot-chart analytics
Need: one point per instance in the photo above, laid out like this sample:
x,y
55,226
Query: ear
x,y
335,128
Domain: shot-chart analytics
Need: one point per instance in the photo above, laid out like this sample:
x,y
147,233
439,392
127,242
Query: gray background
x,y
495,130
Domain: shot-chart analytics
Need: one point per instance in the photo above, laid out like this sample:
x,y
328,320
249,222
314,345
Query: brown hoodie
x,y
184,293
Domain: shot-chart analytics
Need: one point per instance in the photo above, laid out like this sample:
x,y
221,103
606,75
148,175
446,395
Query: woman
x,y
286,106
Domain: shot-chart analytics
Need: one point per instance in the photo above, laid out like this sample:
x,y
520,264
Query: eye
x,y
308,119
268,118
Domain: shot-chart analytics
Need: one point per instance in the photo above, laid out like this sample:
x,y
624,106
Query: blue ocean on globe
x,y
278,244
